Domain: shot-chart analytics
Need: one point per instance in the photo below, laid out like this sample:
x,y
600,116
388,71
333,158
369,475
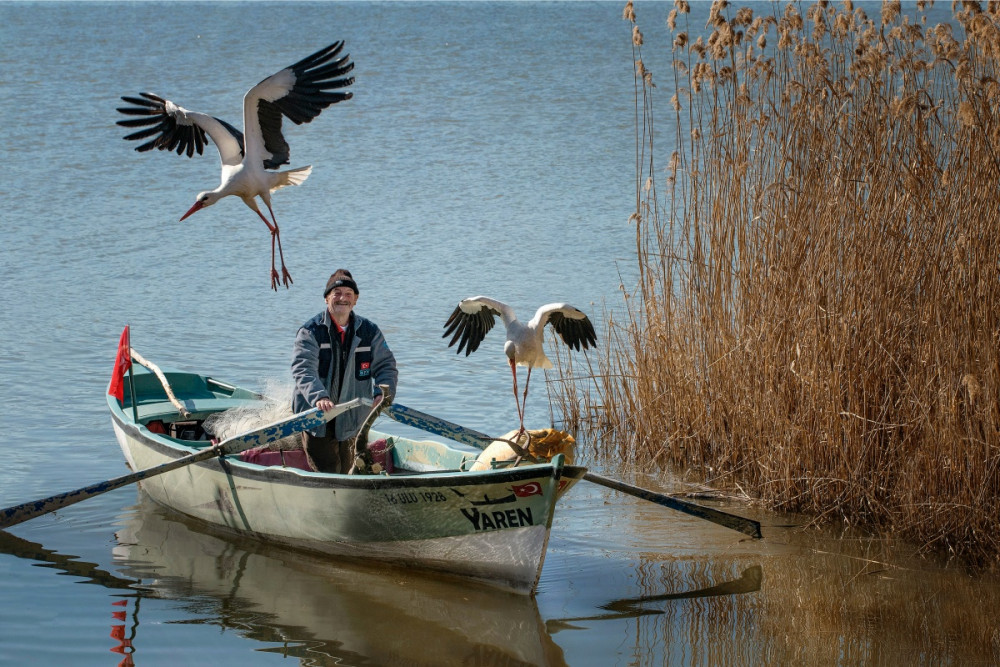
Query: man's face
x,y
340,301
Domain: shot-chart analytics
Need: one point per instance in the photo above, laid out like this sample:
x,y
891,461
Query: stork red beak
x,y
194,209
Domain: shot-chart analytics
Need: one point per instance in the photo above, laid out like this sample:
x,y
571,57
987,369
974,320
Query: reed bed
x,y
815,321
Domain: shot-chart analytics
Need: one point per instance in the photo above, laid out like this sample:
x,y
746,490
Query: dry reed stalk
x,y
816,314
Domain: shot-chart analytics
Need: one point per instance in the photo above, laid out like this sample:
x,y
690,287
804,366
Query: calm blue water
x,y
489,149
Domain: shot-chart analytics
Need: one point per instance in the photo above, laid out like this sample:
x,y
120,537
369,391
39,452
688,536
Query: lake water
x,y
489,149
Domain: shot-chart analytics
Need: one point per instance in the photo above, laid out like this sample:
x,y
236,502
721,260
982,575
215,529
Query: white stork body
x,y
299,92
473,318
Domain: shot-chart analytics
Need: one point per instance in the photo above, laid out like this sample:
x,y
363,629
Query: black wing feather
x,y
314,76
270,128
469,330
168,134
577,334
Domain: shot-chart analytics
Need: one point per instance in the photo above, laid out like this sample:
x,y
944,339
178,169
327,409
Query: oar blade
x,y
11,516
725,519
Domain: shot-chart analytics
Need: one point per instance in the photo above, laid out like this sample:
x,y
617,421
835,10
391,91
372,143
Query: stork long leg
x,y
275,235
286,277
520,410
524,400
524,397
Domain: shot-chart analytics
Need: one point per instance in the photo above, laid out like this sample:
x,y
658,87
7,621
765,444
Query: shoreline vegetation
x,y
815,321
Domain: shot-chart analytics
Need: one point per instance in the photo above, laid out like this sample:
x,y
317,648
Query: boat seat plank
x,y
198,407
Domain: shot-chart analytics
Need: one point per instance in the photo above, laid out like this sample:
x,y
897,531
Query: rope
x,y
163,380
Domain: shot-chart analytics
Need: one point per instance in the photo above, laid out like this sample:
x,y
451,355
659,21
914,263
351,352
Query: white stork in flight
x,y
299,92
473,318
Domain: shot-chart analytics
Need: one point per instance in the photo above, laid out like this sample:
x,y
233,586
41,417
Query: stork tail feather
x,y
293,177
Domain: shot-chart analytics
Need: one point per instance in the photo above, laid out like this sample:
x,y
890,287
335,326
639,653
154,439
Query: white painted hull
x,y
492,526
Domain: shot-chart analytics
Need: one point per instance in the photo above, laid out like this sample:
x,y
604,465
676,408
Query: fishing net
x,y
530,446
276,405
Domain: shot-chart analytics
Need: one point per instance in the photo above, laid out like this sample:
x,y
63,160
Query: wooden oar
x,y
448,429
742,524
12,516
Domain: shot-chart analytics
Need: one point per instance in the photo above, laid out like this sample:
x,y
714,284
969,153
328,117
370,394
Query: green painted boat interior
x,y
202,396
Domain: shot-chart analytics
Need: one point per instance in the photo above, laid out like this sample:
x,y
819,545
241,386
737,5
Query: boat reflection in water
x,y
748,582
323,610
169,570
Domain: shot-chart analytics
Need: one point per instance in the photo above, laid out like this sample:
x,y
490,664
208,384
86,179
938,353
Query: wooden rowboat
x,y
431,512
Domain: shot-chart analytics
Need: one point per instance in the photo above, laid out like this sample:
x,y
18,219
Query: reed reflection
x,y
881,600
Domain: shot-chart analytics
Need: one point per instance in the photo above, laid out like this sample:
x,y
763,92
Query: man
x,y
339,355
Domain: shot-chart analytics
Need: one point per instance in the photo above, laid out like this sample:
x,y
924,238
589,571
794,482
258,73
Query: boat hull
x,y
491,526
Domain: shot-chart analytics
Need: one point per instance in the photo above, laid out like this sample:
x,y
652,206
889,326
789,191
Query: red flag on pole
x,y
122,363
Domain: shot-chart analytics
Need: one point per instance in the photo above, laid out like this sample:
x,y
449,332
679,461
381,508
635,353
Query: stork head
x,y
510,349
204,199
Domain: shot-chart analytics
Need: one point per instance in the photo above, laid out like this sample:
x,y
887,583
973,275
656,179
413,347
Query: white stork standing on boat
x,y
473,318
299,92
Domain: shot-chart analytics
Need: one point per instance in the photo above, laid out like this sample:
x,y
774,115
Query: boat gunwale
x,y
305,478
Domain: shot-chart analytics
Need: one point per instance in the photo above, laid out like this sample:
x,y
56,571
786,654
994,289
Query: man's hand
x,y
324,404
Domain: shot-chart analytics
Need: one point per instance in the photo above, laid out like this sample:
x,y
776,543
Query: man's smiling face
x,y
341,301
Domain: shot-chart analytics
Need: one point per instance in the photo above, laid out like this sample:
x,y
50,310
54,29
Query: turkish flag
x,y
122,363
529,489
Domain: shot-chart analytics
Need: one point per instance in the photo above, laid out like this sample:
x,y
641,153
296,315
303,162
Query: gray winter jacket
x,y
370,363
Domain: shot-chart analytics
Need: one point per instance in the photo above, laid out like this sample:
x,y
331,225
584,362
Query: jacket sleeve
x,y
305,368
383,364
